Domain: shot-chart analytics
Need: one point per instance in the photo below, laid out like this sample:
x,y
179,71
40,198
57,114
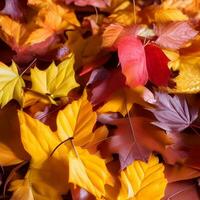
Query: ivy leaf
x,y
173,113
143,180
11,84
55,81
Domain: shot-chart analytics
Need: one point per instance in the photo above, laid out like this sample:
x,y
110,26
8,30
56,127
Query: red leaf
x,y
157,61
132,58
175,35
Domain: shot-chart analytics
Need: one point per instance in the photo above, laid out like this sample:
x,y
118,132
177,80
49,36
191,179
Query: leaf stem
x,y
29,66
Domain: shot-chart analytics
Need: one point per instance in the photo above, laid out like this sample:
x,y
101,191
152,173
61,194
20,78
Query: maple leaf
x,y
174,35
132,58
11,84
138,136
143,180
173,113
157,68
55,81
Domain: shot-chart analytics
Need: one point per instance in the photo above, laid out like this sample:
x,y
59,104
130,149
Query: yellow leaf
x,y
77,120
11,149
188,80
38,35
55,81
38,139
88,171
47,171
174,58
123,100
11,84
11,30
30,98
33,188
57,18
164,15
143,181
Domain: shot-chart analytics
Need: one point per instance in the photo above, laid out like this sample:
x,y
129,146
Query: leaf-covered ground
x,y
99,99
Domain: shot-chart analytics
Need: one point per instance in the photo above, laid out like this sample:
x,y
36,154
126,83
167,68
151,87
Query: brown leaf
x,y
177,172
135,139
183,190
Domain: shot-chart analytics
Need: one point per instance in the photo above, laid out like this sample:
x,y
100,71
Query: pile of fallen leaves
x,y
99,99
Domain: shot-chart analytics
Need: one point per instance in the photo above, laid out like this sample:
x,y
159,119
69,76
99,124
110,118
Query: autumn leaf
x,y
55,81
44,169
139,137
188,80
143,180
11,84
77,120
123,100
173,113
11,150
88,171
132,58
175,35
182,190
76,123
157,65
102,90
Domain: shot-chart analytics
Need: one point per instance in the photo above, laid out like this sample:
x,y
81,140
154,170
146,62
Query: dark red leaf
x,y
183,190
157,65
104,83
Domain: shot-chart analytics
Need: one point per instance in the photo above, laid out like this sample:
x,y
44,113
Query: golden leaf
x,y
123,100
88,171
11,84
188,80
47,171
55,81
143,181
77,120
